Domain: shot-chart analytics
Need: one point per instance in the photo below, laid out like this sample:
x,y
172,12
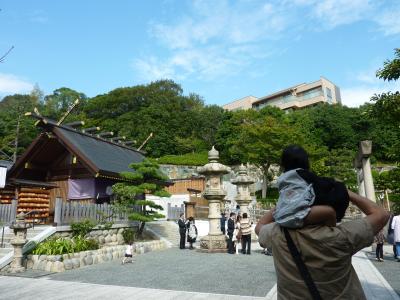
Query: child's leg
x,y
321,214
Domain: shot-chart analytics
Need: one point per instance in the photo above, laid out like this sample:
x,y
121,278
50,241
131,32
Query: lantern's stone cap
x,y
213,167
213,155
243,177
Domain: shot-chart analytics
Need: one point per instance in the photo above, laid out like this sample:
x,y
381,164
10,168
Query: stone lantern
x,y
243,197
214,193
20,228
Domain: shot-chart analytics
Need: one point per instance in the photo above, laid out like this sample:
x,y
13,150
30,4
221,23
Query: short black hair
x,y
294,157
232,214
244,215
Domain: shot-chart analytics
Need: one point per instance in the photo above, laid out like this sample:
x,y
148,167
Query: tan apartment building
x,y
242,103
295,97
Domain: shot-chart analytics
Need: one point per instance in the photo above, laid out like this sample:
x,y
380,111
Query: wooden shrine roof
x,y
100,156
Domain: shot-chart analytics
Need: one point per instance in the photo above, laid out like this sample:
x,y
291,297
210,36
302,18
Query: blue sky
x,y
221,50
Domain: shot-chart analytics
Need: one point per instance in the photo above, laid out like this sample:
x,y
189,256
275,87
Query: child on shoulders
x,y
305,198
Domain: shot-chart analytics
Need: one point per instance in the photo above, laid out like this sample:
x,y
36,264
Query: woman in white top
x,y
237,233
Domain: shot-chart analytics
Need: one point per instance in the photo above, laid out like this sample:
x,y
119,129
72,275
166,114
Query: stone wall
x,y
61,263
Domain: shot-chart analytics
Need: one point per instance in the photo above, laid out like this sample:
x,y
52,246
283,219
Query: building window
x,y
329,94
310,94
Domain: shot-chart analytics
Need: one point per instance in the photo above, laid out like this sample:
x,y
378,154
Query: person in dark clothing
x,y
231,229
182,231
223,220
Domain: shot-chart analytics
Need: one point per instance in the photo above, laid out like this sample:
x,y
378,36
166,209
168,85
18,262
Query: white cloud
x,y
359,94
389,21
216,38
11,84
332,13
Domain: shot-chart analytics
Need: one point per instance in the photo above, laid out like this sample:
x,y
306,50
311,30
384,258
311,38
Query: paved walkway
x,y
168,230
28,289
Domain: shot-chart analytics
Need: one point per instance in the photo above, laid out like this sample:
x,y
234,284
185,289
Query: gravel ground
x,y
390,268
184,270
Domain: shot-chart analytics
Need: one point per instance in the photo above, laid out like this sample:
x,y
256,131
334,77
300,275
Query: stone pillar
x,y
243,182
19,240
363,165
214,193
368,181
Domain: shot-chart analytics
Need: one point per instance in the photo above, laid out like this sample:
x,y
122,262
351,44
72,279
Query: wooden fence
x,y
8,212
68,212
174,212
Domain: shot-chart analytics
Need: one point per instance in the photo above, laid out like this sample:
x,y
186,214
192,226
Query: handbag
x,y
305,274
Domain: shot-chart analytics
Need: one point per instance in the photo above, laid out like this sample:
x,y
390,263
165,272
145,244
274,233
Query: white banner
x,y
3,172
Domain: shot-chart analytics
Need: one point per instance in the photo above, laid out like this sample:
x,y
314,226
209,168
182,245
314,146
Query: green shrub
x,y
82,228
58,246
129,235
82,244
54,246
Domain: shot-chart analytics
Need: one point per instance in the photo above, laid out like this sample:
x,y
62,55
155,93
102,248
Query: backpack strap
x,y
305,274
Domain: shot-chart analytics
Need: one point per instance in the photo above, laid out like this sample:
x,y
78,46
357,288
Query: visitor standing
x,y
182,231
314,262
237,235
390,236
396,230
223,221
231,229
379,240
192,232
245,228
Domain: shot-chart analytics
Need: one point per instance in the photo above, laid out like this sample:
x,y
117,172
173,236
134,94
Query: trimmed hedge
x,y
188,159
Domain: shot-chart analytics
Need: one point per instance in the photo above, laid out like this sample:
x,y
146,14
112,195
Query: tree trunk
x,y
265,181
264,187
141,228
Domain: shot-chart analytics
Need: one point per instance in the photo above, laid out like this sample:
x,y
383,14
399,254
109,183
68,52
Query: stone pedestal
x,y
215,240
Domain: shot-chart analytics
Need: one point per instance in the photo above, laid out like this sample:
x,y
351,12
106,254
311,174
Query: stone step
x,y
4,251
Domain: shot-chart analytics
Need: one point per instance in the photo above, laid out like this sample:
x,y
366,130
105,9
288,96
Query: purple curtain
x,y
81,188
88,188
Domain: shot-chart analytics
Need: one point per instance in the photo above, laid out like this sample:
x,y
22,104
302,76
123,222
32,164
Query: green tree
x,y
260,140
12,110
56,104
387,105
160,108
145,178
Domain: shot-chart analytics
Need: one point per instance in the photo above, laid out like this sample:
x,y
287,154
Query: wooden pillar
x,y
14,204
57,212
190,209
